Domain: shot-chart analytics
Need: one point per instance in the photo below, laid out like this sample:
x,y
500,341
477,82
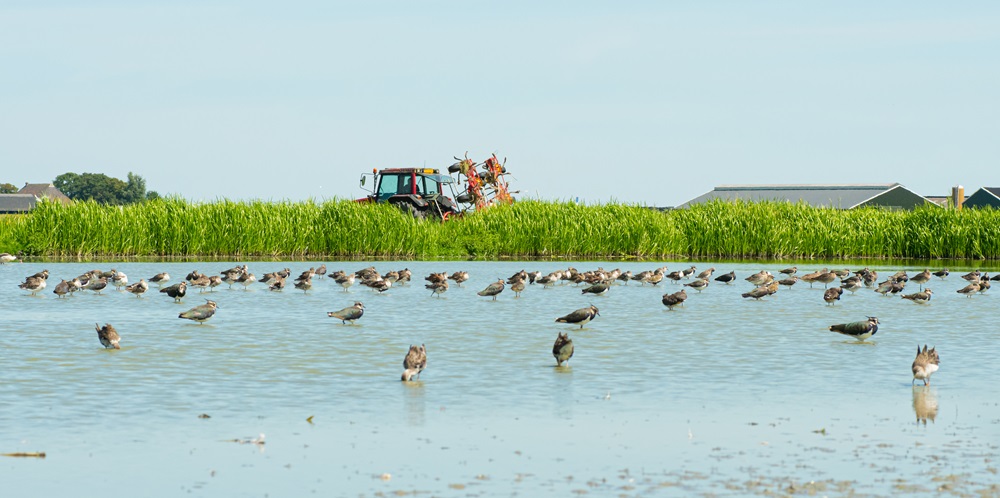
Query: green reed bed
x,y
528,229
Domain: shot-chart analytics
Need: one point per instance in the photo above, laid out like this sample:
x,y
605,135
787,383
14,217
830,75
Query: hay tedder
x,y
424,192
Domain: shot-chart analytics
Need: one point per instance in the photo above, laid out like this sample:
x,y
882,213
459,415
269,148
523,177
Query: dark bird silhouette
x,y
349,314
176,291
108,336
727,278
941,273
580,316
562,349
414,362
673,300
789,271
492,289
925,364
200,313
858,330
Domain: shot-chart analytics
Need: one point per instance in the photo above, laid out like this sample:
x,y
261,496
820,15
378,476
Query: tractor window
x,y
430,187
391,184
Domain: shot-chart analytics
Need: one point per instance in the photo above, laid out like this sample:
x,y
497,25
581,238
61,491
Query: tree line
x,y
99,187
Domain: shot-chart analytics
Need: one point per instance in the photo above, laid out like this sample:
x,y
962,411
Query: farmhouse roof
x,y
40,190
842,196
985,196
16,203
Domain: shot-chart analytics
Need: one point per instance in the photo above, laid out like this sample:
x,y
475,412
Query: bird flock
x,y
593,283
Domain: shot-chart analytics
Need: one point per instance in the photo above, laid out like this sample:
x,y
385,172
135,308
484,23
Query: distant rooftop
x,y
842,196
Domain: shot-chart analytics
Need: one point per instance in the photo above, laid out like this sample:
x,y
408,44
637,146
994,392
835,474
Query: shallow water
x,y
724,396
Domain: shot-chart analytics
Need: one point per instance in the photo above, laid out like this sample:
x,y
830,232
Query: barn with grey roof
x,y
846,196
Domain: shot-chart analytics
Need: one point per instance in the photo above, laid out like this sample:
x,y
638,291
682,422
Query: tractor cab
x,y
419,191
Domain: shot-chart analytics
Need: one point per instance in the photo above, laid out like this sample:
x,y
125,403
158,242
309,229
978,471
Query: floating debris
x,y
310,419
204,415
29,454
259,440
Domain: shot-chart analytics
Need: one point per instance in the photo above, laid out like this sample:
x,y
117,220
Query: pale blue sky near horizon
x,y
651,102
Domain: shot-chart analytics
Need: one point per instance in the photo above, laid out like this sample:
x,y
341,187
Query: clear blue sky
x,y
646,102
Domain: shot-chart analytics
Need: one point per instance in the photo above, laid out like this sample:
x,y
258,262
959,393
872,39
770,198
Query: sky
x,y
646,102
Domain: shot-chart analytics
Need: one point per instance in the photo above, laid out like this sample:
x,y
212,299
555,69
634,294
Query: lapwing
x,y
596,289
789,271
789,282
727,278
200,313
941,273
176,291
349,314
858,330
698,284
580,316
33,284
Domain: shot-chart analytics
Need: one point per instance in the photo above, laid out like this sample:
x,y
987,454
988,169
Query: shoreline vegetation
x,y
529,229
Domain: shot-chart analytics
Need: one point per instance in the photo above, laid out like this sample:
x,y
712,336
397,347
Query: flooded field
x,y
270,397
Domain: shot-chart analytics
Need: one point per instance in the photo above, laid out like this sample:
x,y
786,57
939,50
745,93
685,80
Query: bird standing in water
x,y
414,362
925,364
492,289
580,316
858,330
108,336
200,313
562,349
348,314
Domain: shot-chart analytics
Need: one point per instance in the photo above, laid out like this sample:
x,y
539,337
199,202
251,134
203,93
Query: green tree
x,y
8,188
102,188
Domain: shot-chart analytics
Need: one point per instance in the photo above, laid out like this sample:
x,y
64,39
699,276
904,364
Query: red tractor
x,y
421,191
418,191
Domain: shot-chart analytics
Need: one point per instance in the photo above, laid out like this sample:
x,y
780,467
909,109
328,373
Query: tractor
x,y
421,191
418,191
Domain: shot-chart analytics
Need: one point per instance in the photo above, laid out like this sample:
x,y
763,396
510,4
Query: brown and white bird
x,y
34,284
562,350
345,280
581,316
925,364
832,295
348,314
459,277
919,297
921,278
108,336
492,289
970,289
438,288
698,284
6,257
671,301
159,279
414,362
61,289
139,288
200,313
518,287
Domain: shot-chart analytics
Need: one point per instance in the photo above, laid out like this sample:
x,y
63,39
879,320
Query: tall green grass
x,y
527,229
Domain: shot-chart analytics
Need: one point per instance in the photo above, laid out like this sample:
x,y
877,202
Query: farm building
x,y
29,195
846,196
984,197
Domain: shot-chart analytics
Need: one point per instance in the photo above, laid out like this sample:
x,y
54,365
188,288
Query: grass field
x,y
343,229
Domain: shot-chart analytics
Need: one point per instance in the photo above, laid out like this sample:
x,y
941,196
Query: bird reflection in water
x,y
925,404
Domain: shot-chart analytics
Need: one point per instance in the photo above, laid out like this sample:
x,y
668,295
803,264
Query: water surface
x,y
724,396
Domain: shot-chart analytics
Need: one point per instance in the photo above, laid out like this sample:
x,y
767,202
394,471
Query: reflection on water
x,y
925,404
715,397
